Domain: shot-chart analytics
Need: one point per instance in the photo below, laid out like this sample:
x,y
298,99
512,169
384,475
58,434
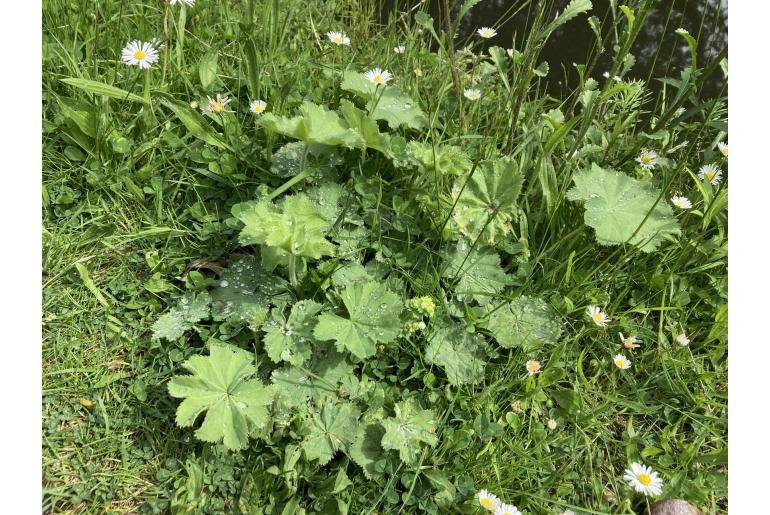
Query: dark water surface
x,y
658,50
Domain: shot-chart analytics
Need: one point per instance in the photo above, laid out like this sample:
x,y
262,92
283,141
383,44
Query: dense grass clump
x,y
307,257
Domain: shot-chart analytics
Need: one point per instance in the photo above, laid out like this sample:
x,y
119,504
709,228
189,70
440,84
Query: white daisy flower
x,y
400,49
599,317
606,75
722,148
217,105
711,173
258,106
647,159
338,38
682,340
143,55
489,501
507,509
621,362
643,479
487,32
630,342
472,94
681,202
378,76
552,423
567,512
533,367
679,112
618,78
188,3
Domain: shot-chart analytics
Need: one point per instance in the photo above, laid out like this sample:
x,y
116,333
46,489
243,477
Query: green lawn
x,y
420,200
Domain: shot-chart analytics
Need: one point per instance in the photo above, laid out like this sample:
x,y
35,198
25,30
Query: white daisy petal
x,y
598,316
507,509
643,479
487,32
378,76
136,53
711,173
472,94
647,159
489,501
258,106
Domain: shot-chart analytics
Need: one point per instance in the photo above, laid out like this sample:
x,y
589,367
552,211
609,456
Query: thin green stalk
x,y
180,37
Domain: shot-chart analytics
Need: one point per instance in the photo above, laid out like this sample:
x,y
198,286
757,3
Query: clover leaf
x,y
235,405
374,318
410,427
617,207
486,203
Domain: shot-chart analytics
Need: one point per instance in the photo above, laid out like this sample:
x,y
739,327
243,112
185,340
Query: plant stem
x,y
180,37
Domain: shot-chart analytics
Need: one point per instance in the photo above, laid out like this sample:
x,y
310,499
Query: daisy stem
x,y
180,37
165,39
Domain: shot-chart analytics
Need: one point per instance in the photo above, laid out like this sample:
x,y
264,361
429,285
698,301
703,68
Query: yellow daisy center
x,y
217,107
378,79
487,502
710,175
620,363
646,160
337,39
644,479
598,317
139,55
724,151
258,108
533,367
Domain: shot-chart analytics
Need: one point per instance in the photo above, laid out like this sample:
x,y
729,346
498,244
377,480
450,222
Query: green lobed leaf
x,y
616,206
439,159
245,291
329,430
479,273
316,382
296,228
389,103
526,322
289,339
458,352
315,124
486,203
189,310
407,429
373,313
219,385
366,448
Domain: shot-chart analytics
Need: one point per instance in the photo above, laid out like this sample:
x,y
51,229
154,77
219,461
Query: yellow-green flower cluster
x,y
413,327
424,305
